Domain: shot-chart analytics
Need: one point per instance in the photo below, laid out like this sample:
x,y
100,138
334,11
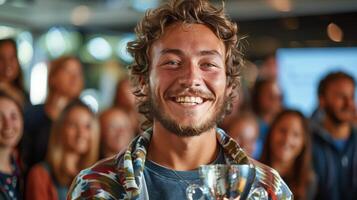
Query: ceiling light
x,y
38,85
99,48
122,51
80,15
280,5
334,32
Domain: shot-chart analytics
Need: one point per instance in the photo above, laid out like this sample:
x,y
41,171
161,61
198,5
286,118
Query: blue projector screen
x,y
300,70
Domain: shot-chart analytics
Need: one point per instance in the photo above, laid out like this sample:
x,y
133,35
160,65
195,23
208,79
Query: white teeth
x,y
199,100
189,100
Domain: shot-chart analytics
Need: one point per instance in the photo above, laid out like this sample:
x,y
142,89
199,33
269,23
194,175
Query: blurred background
x,y
302,39
77,48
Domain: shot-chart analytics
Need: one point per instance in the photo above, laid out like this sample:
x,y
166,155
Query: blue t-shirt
x,y
263,132
340,143
164,183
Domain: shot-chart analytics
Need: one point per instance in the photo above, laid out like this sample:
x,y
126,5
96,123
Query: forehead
x,y
182,36
339,84
71,63
5,100
78,110
8,104
65,66
113,114
289,118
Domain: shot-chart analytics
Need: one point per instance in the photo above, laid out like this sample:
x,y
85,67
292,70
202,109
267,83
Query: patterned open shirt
x,y
122,176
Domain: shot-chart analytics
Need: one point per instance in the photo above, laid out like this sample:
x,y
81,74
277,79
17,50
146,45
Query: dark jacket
x,y
336,169
37,126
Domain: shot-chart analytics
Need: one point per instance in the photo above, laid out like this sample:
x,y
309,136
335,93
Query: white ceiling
x,y
119,13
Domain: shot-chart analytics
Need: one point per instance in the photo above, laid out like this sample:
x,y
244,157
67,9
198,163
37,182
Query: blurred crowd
x,y
43,147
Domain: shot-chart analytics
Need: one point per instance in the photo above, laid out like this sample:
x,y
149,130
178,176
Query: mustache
x,y
190,92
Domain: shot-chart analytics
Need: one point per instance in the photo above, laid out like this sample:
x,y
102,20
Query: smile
x,y
8,133
189,100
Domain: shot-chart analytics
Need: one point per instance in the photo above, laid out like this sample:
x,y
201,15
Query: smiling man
x,y
186,67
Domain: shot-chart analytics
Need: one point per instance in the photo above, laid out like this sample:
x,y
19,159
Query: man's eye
x,y
208,65
172,62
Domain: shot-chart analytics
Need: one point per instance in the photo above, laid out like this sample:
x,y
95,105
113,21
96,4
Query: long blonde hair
x,y
56,147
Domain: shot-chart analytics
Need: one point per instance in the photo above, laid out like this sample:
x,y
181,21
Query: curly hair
x,y
153,25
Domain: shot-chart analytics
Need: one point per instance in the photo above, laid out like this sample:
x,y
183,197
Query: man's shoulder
x,y
101,180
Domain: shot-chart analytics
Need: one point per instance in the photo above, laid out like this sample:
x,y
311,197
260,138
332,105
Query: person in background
x,y
11,127
73,146
335,138
242,100
65,82
125,100
116,131
269,68
266,104
186,67
236,108
244,129
11,78
288,150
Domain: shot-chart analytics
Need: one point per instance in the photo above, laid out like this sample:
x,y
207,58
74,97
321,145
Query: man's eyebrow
x,y
180,52
173,51
210,52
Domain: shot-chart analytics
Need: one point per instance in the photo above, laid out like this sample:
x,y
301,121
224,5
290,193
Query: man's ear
x,y
144,84
229,90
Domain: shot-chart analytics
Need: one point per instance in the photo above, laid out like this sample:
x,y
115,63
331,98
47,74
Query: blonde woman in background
x,y
288,151
116,131
11,126
65,83
73,146
11,77
245,130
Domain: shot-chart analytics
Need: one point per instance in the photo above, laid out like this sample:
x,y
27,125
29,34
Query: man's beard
x,y
333,116
188,131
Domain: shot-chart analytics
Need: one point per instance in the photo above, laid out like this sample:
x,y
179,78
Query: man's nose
x,y
191,76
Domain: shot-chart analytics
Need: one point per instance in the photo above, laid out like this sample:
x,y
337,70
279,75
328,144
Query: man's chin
x,y
187,130
345,118
190,124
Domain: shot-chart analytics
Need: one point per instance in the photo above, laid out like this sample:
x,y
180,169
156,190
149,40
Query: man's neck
x,y
182,153
337,130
